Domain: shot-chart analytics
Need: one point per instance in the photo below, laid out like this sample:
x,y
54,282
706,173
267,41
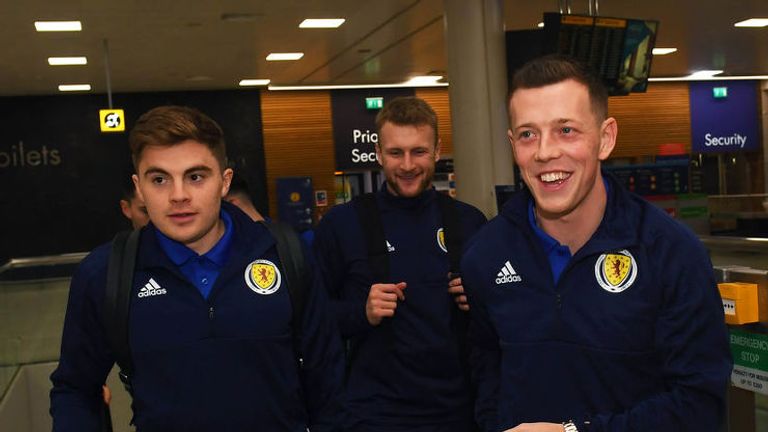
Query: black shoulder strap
x,y
117,300
451,230
373,231
295,275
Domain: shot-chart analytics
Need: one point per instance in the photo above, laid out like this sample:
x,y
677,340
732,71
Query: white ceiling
x,y
157,45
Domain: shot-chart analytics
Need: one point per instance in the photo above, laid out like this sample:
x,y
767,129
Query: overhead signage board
x,y
724,124
354,126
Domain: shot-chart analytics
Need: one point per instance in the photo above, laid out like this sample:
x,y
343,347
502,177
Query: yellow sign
x,y
112,120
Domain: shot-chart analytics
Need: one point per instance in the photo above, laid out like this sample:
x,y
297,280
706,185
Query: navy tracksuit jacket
x,y
222,364
407,373
631,337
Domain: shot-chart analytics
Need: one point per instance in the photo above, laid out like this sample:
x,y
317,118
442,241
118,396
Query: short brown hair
x,y
170,125
555,68
407,111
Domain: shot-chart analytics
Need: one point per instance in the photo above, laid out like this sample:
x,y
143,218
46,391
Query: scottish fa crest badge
x,y
615,272
262,277
441,240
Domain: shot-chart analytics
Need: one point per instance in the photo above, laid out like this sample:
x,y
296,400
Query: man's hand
x,y
537,427
382,301
456,289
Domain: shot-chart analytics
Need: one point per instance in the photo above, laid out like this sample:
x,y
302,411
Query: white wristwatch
x,y
570,427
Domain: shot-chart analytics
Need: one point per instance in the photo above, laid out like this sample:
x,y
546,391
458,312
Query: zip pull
x,y
210,312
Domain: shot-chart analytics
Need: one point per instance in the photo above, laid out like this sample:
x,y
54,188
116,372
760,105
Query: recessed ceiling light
x,y
284,56
55,26
67,61
424,80
413,82
663,51
74,87
753,22
711,78
704,74
322,23
253,82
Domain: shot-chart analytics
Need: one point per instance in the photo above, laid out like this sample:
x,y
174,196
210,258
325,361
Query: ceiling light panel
x,y
753,22
74,87
67,61
322,23
253,82
663,51
284,56
58,26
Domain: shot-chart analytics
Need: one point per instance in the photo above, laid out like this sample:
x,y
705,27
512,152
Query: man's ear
x,y
438,147
608,132
135,179
124,207
377,147
227,177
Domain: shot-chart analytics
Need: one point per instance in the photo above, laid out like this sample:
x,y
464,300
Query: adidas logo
x,y
390,248
507,274
152,288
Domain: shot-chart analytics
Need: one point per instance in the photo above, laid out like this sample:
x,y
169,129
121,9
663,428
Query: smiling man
x,y
210,321
592,310
385,258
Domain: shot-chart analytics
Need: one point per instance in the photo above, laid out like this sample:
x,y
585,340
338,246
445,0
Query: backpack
x,y
369,218
120,273
378,257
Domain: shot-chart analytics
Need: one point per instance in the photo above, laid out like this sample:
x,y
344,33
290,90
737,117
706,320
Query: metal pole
x,y
597,7
561,5
106,68
590,8
568,6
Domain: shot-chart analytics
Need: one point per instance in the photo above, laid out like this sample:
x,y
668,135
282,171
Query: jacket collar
x,y
617,230
249,239
387,199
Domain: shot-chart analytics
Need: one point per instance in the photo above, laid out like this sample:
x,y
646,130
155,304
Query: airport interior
x,y
297,101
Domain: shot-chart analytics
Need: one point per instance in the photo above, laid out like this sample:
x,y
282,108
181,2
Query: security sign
x,y
262,277
616,272
112,120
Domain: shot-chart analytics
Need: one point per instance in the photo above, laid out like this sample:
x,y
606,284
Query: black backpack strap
x,y
295,275
373,231
117,300
451,230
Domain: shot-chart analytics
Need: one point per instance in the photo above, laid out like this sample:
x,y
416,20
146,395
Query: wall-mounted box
x,y
740,302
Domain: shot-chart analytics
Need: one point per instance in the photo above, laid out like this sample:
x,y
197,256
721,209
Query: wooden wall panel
x,y
438,99
659,116
298,139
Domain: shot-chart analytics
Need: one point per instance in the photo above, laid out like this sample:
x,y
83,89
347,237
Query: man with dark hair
x,y
133,207
240,196
592,310
210,323
385,259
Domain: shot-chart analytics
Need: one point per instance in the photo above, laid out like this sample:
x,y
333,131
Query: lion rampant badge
x,y
262,277
615,272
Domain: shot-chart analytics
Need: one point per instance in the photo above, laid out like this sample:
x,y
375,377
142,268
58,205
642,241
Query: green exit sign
x,y
374,103
720,92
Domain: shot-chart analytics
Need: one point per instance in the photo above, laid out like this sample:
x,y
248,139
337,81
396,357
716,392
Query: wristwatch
x,y
570,427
